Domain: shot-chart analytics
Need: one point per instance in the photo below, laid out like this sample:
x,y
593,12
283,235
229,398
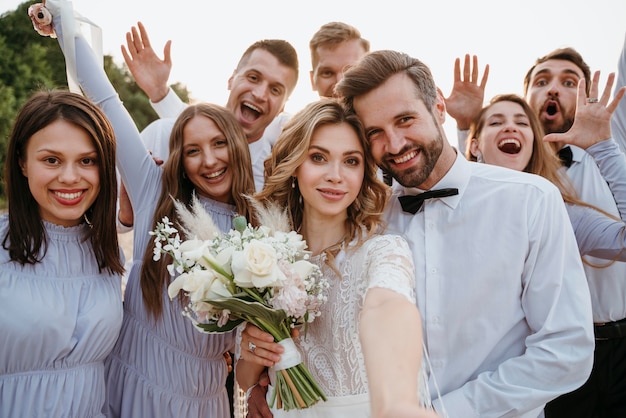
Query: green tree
x,y
31,62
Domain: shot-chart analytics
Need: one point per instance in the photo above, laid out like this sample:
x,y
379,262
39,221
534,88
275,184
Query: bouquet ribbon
x,y
290,357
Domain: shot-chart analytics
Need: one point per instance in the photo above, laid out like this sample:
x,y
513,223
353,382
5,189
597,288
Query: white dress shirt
x,y
618,120
501,289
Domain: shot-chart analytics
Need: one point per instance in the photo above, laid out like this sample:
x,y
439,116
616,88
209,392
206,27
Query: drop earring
x,y
293,182
479,157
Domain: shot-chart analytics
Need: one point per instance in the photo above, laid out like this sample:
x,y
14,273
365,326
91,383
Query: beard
x,y
553,126
417,174
549,127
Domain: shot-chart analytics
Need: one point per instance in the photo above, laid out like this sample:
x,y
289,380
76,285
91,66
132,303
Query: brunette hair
x,y
377,67
177,186
284,52
566,54
26,235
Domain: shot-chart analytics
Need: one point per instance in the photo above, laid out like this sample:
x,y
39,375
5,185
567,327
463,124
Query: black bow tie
x,y
565,154
413,203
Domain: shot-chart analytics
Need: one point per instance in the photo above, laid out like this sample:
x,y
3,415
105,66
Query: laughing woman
x,y
507,133
161,365
60,265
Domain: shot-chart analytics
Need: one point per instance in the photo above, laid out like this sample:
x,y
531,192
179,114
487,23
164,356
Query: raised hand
x,y
592,122
151,72
467,96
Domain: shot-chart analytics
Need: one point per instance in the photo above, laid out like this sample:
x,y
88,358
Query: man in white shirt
x,y
500,284
259,88
550,88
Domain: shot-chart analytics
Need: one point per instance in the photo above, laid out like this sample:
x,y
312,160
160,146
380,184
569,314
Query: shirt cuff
x,y
170,106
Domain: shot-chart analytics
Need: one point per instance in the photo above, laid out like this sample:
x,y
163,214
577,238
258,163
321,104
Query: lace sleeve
x,y
391,265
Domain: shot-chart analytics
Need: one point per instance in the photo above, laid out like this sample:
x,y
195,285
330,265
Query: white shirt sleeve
x,y
170,106
618,120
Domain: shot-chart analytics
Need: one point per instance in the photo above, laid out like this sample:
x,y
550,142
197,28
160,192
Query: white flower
x,y
292,239
205,285
200,285
303,268
176,286
193,249
256,266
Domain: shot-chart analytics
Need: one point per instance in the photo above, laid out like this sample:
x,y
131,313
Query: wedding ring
x,y
251,346
592,100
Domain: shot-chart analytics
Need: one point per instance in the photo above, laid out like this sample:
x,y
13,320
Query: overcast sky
x,y
210,36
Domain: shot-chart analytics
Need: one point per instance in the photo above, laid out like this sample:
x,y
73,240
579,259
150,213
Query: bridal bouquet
x,y
256,274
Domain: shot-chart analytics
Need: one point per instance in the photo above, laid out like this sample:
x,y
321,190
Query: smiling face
x,y
332,60
61,165
406,139
330,178
552,94
506,138
205,159
259,89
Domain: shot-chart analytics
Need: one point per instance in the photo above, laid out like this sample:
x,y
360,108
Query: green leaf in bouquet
x,y
251,309
213,328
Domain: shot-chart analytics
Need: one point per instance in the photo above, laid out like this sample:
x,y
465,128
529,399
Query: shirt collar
x,y
457,177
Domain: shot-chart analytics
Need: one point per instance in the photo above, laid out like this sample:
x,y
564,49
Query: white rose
x,y
256,266
303,268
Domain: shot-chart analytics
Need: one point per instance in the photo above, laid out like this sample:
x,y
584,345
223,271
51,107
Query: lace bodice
x,y
331,348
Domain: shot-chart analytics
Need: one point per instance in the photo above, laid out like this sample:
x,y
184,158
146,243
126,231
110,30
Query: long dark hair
x,y
26,235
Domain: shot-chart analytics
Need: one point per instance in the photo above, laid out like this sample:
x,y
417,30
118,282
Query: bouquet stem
x,y
293,388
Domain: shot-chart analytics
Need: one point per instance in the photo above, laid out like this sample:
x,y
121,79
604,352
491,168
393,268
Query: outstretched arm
x,y
137,169
391,338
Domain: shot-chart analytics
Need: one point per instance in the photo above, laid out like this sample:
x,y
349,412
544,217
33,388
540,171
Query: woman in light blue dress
x,y
60,264
161,365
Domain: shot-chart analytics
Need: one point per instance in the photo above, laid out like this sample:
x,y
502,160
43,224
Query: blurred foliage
x,y
31,62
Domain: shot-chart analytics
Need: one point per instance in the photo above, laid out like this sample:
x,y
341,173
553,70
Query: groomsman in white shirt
x,y
500,283
550,88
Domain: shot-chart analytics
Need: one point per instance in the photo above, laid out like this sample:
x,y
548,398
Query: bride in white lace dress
x,y
365,350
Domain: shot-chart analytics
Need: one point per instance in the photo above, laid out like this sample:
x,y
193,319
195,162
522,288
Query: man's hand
x,y
151,73
592,122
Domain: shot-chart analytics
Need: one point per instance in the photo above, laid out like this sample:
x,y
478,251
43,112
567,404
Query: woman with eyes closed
x,y
60,263
507,133
161,366
365,349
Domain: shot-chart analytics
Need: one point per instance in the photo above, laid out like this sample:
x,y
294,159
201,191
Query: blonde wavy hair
x,y
290,151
